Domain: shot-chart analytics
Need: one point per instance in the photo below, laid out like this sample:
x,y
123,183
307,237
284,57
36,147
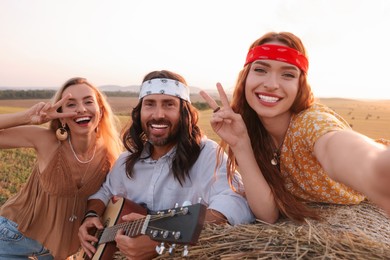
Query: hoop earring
x,y
62,133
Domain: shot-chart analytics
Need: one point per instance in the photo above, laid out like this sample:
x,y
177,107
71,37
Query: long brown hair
x,y
189,135
108,125
261,140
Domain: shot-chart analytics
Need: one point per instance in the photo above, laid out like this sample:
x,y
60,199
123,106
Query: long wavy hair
x,y
108,125
189,135
288,205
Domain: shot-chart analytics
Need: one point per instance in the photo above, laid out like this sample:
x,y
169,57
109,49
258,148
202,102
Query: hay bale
x,y
346,232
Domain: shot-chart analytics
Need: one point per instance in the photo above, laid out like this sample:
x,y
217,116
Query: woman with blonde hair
x,y
73,156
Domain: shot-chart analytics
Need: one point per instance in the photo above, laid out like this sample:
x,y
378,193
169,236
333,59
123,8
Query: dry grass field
x,y
371,118
121,106
345,233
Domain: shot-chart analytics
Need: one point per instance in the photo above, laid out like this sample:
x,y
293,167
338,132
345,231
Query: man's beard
x,y
161,140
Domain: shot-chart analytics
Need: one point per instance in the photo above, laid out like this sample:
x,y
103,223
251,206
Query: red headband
x,y
279,53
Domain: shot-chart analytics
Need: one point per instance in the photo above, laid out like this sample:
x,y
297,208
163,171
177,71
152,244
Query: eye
x,y
147,104
260,70
289,75
70,105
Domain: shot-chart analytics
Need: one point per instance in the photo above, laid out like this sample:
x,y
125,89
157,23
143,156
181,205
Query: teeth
x,y
82,119
159,126
268,98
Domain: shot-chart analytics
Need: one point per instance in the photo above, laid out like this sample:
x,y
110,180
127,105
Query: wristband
x,y
90,214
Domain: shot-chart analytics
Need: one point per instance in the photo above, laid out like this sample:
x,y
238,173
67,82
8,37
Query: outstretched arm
x,y
231,128
40,113
357,161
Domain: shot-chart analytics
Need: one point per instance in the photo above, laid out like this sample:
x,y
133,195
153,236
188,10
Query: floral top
x,y
303,174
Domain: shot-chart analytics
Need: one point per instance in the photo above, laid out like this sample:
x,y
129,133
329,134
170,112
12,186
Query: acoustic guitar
x,y
179,225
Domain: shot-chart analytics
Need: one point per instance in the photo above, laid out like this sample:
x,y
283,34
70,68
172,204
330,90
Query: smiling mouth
x,y
268,99
158,126
83,120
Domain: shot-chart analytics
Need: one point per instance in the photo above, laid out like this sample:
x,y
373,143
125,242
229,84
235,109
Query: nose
x,y
80,109
159,112
271,82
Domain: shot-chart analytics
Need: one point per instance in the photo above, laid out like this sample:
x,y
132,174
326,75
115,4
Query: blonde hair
x,y
108,125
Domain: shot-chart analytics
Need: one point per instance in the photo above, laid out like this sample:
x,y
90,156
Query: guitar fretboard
x,y
131,229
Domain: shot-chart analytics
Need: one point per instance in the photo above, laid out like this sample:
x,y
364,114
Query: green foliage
x,y
201,105
120,94
11,94
15,168
26,94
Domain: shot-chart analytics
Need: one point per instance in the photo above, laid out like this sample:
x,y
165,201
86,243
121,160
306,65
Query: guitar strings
x,y
109,233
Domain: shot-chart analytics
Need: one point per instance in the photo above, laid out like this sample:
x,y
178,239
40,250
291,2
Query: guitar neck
x,y
180,225
131,229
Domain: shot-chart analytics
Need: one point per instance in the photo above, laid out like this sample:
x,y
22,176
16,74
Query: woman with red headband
x,y
289,149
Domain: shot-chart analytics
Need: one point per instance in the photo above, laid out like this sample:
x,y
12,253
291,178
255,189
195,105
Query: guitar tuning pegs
x,y
160,249
185,251
186,203
172,249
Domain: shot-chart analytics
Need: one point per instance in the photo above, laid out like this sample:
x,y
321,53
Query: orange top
x,y
42,208
304,176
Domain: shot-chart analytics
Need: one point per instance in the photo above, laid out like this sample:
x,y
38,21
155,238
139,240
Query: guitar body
x,y
181,225
116,209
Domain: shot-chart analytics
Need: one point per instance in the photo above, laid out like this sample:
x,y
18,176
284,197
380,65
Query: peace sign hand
x,y
43,112
227,124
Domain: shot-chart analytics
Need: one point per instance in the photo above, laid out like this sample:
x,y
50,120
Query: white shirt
x,y
153,184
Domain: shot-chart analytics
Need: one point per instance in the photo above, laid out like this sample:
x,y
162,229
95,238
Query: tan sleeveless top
x,y
42,208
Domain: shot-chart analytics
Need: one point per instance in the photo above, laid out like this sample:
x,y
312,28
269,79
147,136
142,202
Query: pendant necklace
x,y
276,159
276,153
73,217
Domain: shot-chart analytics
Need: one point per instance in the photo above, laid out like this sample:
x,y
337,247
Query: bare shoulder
x,y
47,141
46,147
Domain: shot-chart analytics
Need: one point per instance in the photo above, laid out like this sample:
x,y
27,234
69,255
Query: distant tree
x,y
26,94
120,94
201,105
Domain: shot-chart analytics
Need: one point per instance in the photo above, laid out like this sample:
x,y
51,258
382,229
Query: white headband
x,y
165,86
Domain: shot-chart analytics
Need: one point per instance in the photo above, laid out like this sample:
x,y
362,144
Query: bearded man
x,y
168,161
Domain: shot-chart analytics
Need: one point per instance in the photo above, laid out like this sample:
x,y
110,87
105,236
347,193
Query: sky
x,y
117,42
